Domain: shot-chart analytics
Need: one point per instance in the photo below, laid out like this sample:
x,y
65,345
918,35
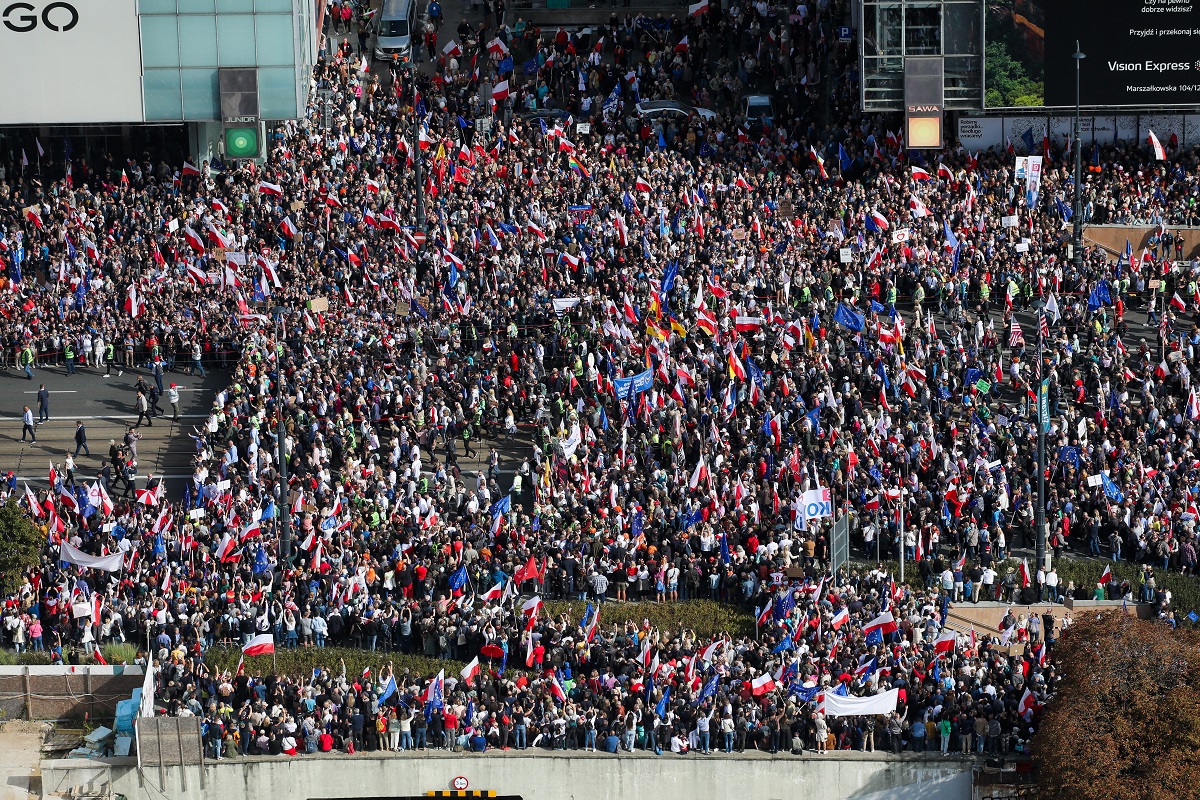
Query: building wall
x,y
835,776
184,42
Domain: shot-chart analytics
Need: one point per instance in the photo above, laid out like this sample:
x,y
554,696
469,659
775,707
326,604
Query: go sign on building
x,y
70,61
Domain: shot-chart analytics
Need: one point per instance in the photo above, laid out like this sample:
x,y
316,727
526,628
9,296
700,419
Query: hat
x,y
172,386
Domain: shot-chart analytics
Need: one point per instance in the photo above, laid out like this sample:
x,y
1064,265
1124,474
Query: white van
x,y
394,30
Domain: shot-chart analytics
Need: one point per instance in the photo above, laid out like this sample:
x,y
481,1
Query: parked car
x,y
654,109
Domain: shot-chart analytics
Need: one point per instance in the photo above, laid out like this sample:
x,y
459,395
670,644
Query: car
x,y
654,109
548,115
758,107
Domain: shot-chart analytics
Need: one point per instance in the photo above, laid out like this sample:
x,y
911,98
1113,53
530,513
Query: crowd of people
x,y
609,365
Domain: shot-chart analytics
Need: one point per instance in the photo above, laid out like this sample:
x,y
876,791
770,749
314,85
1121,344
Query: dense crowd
x,y
610,367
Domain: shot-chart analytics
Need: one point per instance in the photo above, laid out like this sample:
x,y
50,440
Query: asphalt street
x,y
105,405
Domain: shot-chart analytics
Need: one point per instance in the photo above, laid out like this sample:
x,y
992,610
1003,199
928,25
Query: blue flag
x,y
874,636
724,548
1111,490
261,564
843,158
665,700
1027,138
708,691
458,578
804,694
501,506
786,644
505,66
388,690
847,318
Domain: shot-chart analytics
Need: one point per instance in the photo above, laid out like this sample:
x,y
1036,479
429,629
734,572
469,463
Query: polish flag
x,y
699,474
696,9
1106,576
270,188
946,642
1178,303
885,623
188,169
840,619
261,645
1023,571
471,671
762,684
919,174
1028,702
880,220
133,303
500,91
494,593
531,606
35,508
372,186
1160,154
640,184
193,239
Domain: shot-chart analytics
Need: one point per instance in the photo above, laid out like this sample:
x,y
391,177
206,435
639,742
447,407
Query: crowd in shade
x,y
651,362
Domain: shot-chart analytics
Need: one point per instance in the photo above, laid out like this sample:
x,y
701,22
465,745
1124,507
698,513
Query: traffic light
x,y
241,142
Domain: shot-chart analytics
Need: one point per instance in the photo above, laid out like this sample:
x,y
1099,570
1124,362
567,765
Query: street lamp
x,y
1077,233
285,532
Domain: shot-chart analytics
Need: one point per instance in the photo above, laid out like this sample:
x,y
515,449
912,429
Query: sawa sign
x,y
70,62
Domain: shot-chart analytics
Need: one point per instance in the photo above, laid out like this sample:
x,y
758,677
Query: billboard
x,y
70,62
1139,53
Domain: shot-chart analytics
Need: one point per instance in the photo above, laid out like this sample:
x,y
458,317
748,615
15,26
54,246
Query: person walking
x,y
110,357
143,409
43,402
173,399
69,354
27,425
157,368
81,442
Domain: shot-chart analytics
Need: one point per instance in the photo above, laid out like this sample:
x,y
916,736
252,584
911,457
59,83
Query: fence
x,y
65,692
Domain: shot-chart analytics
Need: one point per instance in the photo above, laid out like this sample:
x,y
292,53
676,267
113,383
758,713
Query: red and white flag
x,y
261,645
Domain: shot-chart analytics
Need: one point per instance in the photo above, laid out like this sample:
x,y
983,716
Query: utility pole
x,y
285,519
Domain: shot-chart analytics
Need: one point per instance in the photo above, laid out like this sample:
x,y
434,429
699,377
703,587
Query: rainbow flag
x,y
574,164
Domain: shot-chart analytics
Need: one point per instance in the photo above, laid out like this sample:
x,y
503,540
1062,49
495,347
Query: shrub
x,y
301,662
706,617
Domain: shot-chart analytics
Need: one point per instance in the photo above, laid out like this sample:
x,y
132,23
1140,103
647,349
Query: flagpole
x,y
902,534
1040,518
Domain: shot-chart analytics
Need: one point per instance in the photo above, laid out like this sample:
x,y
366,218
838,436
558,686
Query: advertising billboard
x,y
1139,53
70,62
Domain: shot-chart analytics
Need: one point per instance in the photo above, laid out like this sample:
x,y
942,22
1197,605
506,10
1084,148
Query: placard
x,y
1022,247
81,610
318,305
222,485
583,127
196,513
844,255
173,226
1009,221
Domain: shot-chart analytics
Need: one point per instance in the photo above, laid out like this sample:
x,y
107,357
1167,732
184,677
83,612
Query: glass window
x,y
201,95
275,5
160,42
273,38
199,37
196,6
235,40
277,92
923,31
163,99
235,6
156,7
962,29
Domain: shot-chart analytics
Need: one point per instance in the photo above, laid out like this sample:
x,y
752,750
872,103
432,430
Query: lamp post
x,y
285,531
416,142
1077,232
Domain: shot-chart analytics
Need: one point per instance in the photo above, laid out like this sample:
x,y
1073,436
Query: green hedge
x,y
706,617
302,661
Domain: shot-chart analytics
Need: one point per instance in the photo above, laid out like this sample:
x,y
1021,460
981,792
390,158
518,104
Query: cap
x,y
172,386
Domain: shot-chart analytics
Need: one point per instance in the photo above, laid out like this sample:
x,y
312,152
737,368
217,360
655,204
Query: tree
x,y
21,544
1125,719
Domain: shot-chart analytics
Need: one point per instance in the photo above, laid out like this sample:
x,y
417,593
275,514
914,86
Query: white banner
x,y
817,503
838,706
571,443
979,134
561,304
77,62
71,555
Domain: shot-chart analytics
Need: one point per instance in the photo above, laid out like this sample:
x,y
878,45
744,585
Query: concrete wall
x,y
862,776
1112,238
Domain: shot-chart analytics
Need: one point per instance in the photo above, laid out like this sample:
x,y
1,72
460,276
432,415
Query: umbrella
x,y
491,651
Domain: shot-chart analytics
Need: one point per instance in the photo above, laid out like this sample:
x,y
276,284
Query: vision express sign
x,y
1139,52
70,61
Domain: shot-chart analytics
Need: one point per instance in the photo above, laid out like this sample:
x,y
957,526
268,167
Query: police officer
x,y
69,355
110,356
25,361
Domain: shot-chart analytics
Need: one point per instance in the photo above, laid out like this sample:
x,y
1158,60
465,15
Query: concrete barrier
x,y
1112,238
835,776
